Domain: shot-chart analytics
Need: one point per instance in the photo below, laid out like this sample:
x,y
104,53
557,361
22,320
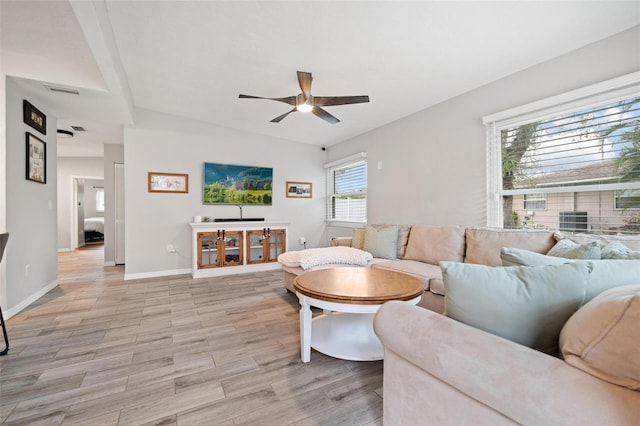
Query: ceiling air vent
x,y
69,90
78,128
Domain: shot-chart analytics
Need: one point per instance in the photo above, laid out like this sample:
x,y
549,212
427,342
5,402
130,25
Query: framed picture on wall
x,y
168,182
33,117
299,189
36,159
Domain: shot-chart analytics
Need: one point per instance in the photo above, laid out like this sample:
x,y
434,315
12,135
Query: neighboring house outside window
x,y
347,191
100,200
571,162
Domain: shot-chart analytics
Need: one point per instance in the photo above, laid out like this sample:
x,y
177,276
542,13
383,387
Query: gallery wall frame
x,y
299,190
168,182
36,156
34,117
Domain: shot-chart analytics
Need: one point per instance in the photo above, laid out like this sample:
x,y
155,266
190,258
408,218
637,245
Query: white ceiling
x,y
193,58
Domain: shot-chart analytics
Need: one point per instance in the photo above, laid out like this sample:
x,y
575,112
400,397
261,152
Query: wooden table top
x,y
363,286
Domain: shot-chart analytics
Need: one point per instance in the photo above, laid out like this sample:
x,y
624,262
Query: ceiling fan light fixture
x,y
304,105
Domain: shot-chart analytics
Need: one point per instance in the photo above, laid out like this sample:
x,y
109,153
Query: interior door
x,y
119,209
80,214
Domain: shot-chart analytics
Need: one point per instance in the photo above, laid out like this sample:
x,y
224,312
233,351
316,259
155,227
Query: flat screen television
x,y
233,184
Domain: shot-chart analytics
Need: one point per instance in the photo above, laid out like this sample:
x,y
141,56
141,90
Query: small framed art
x,y
299,189
168,182
36,159
33,117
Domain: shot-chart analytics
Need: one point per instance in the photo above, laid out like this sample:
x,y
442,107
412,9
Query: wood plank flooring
x,y
98,350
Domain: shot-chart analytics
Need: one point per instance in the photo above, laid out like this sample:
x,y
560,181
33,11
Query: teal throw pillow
x,y
528,305
381,243
570,250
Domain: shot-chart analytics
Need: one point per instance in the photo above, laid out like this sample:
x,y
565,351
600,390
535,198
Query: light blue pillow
x,y
528,305
381,243
570,250
604,274
617,250
519,257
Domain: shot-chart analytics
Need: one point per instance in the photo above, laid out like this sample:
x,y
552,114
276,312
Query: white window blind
x,y
572,165
347,190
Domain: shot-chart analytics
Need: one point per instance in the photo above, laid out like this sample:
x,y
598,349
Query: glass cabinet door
x,y
256,245
231,243
277,239
207,250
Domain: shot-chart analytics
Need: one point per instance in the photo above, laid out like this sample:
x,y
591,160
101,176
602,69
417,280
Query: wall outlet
x,y
171,248
303,241
26,270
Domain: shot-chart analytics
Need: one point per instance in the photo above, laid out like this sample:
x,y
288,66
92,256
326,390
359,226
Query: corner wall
x,y
31,217
433,163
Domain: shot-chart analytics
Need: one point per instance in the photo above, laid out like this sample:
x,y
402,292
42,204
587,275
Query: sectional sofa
x,y
418,249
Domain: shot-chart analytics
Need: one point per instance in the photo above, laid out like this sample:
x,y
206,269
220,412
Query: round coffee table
x,y
350,297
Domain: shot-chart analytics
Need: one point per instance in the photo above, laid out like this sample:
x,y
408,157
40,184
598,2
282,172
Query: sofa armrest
x,y
444,371
340,241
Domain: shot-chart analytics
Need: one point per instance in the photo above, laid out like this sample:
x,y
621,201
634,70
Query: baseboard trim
x,y
110,263
155,274
29,300
64,250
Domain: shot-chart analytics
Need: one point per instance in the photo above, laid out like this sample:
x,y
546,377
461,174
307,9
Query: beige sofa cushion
x,y
528,305
434,244
484,244
425,272
603,337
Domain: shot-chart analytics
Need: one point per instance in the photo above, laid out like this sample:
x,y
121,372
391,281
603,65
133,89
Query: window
x,y
573,157
535,201
347,190
627,199
100,200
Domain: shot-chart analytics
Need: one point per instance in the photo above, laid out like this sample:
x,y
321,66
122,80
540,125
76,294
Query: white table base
x,y
344,331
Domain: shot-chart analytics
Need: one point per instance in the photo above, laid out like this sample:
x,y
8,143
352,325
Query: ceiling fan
x,y
305,101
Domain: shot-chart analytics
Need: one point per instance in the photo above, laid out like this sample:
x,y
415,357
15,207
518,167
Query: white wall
x,y
68,168
433,163
163,143
113,153
30,207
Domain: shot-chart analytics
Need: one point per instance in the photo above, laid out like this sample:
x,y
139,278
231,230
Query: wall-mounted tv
x,y
232,184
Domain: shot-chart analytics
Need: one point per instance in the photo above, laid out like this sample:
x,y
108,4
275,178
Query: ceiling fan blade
x,y
339,100
291,100
304,79
325,115
280,117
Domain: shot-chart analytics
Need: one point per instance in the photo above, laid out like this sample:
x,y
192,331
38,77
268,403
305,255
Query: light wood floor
x,y
223,351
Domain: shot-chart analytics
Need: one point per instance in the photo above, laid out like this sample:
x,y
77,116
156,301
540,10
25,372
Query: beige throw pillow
x,y
357,238
484,244
570,250
434,244
603,337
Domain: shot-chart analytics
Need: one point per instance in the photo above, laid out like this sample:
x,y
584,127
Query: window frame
x,y
616,196
591,96
542,197
330,168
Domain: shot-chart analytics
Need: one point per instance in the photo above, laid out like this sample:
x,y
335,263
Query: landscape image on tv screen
x,y
232,184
